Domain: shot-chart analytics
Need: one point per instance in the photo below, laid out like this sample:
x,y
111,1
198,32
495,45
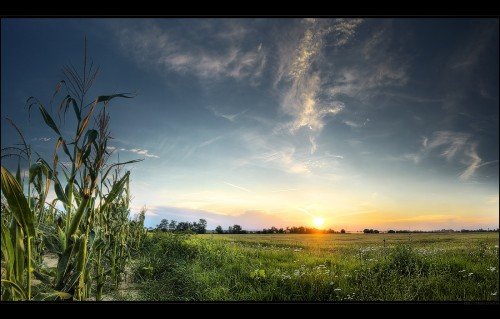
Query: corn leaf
x,y
18,204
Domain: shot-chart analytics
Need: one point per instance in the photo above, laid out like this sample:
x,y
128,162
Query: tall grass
x,y
92,236
459,267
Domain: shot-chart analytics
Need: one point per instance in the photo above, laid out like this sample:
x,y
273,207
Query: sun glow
x,y
318,221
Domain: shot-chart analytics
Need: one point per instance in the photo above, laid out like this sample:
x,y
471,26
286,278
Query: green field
x,y
338,267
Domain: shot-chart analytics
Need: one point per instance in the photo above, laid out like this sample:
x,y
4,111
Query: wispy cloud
x,y
41,139
285,190
380,67
149,44
238,187
355,124
473,161
228,116
302,80
452,146
468,54
190,150
134,150
493,199
209,141
455,145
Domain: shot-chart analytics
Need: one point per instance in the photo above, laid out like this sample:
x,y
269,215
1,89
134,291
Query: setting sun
x,y
318,221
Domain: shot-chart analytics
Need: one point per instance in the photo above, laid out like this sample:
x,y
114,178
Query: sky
x,y
361,122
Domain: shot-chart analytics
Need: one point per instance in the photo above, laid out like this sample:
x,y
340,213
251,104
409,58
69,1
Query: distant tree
x,y
183,226
375,231
342,231
236,229
391,231
219,230
163,226
173,225
200,227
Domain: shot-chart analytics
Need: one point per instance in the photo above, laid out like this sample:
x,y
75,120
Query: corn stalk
x,y
91,236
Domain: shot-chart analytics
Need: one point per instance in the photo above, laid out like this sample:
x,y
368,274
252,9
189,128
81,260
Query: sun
x,y
318,221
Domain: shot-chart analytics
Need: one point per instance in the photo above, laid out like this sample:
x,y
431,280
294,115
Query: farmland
x,y
347,267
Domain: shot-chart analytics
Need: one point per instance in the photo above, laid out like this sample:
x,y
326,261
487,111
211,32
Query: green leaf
x,y
53,295
107,98
75,222
18,173
15,286
116,190
17,202
46,116
66,150
59,191
76,109
7,248
90,137
42,277
116,164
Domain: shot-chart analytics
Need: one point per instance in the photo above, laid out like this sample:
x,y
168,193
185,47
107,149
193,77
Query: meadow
x,y
322,267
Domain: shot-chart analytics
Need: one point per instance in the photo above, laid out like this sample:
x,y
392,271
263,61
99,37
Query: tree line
x,y
298,230
199,227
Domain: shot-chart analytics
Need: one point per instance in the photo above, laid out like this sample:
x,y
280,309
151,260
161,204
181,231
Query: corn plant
x,y
94,225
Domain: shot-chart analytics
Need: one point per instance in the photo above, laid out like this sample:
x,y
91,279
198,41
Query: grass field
x,y
357,267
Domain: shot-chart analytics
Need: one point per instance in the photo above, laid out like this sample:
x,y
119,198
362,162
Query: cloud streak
x,y
238,187
227,116
455,145
41,139
139,151
149,44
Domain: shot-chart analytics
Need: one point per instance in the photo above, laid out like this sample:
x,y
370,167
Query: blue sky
x,y
388,123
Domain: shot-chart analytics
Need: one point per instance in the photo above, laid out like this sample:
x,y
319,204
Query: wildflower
x,y
492,268
337,289
331,283
494,293
470,274
463,270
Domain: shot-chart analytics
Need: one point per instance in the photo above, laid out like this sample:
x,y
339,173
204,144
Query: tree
x,y
342,231
163,226
200,227
219,230
172,226
183,226
391,231
236,229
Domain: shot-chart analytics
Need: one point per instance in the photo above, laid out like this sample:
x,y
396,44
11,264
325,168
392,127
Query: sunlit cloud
x,y
303,81
494,199
133,150
41,139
